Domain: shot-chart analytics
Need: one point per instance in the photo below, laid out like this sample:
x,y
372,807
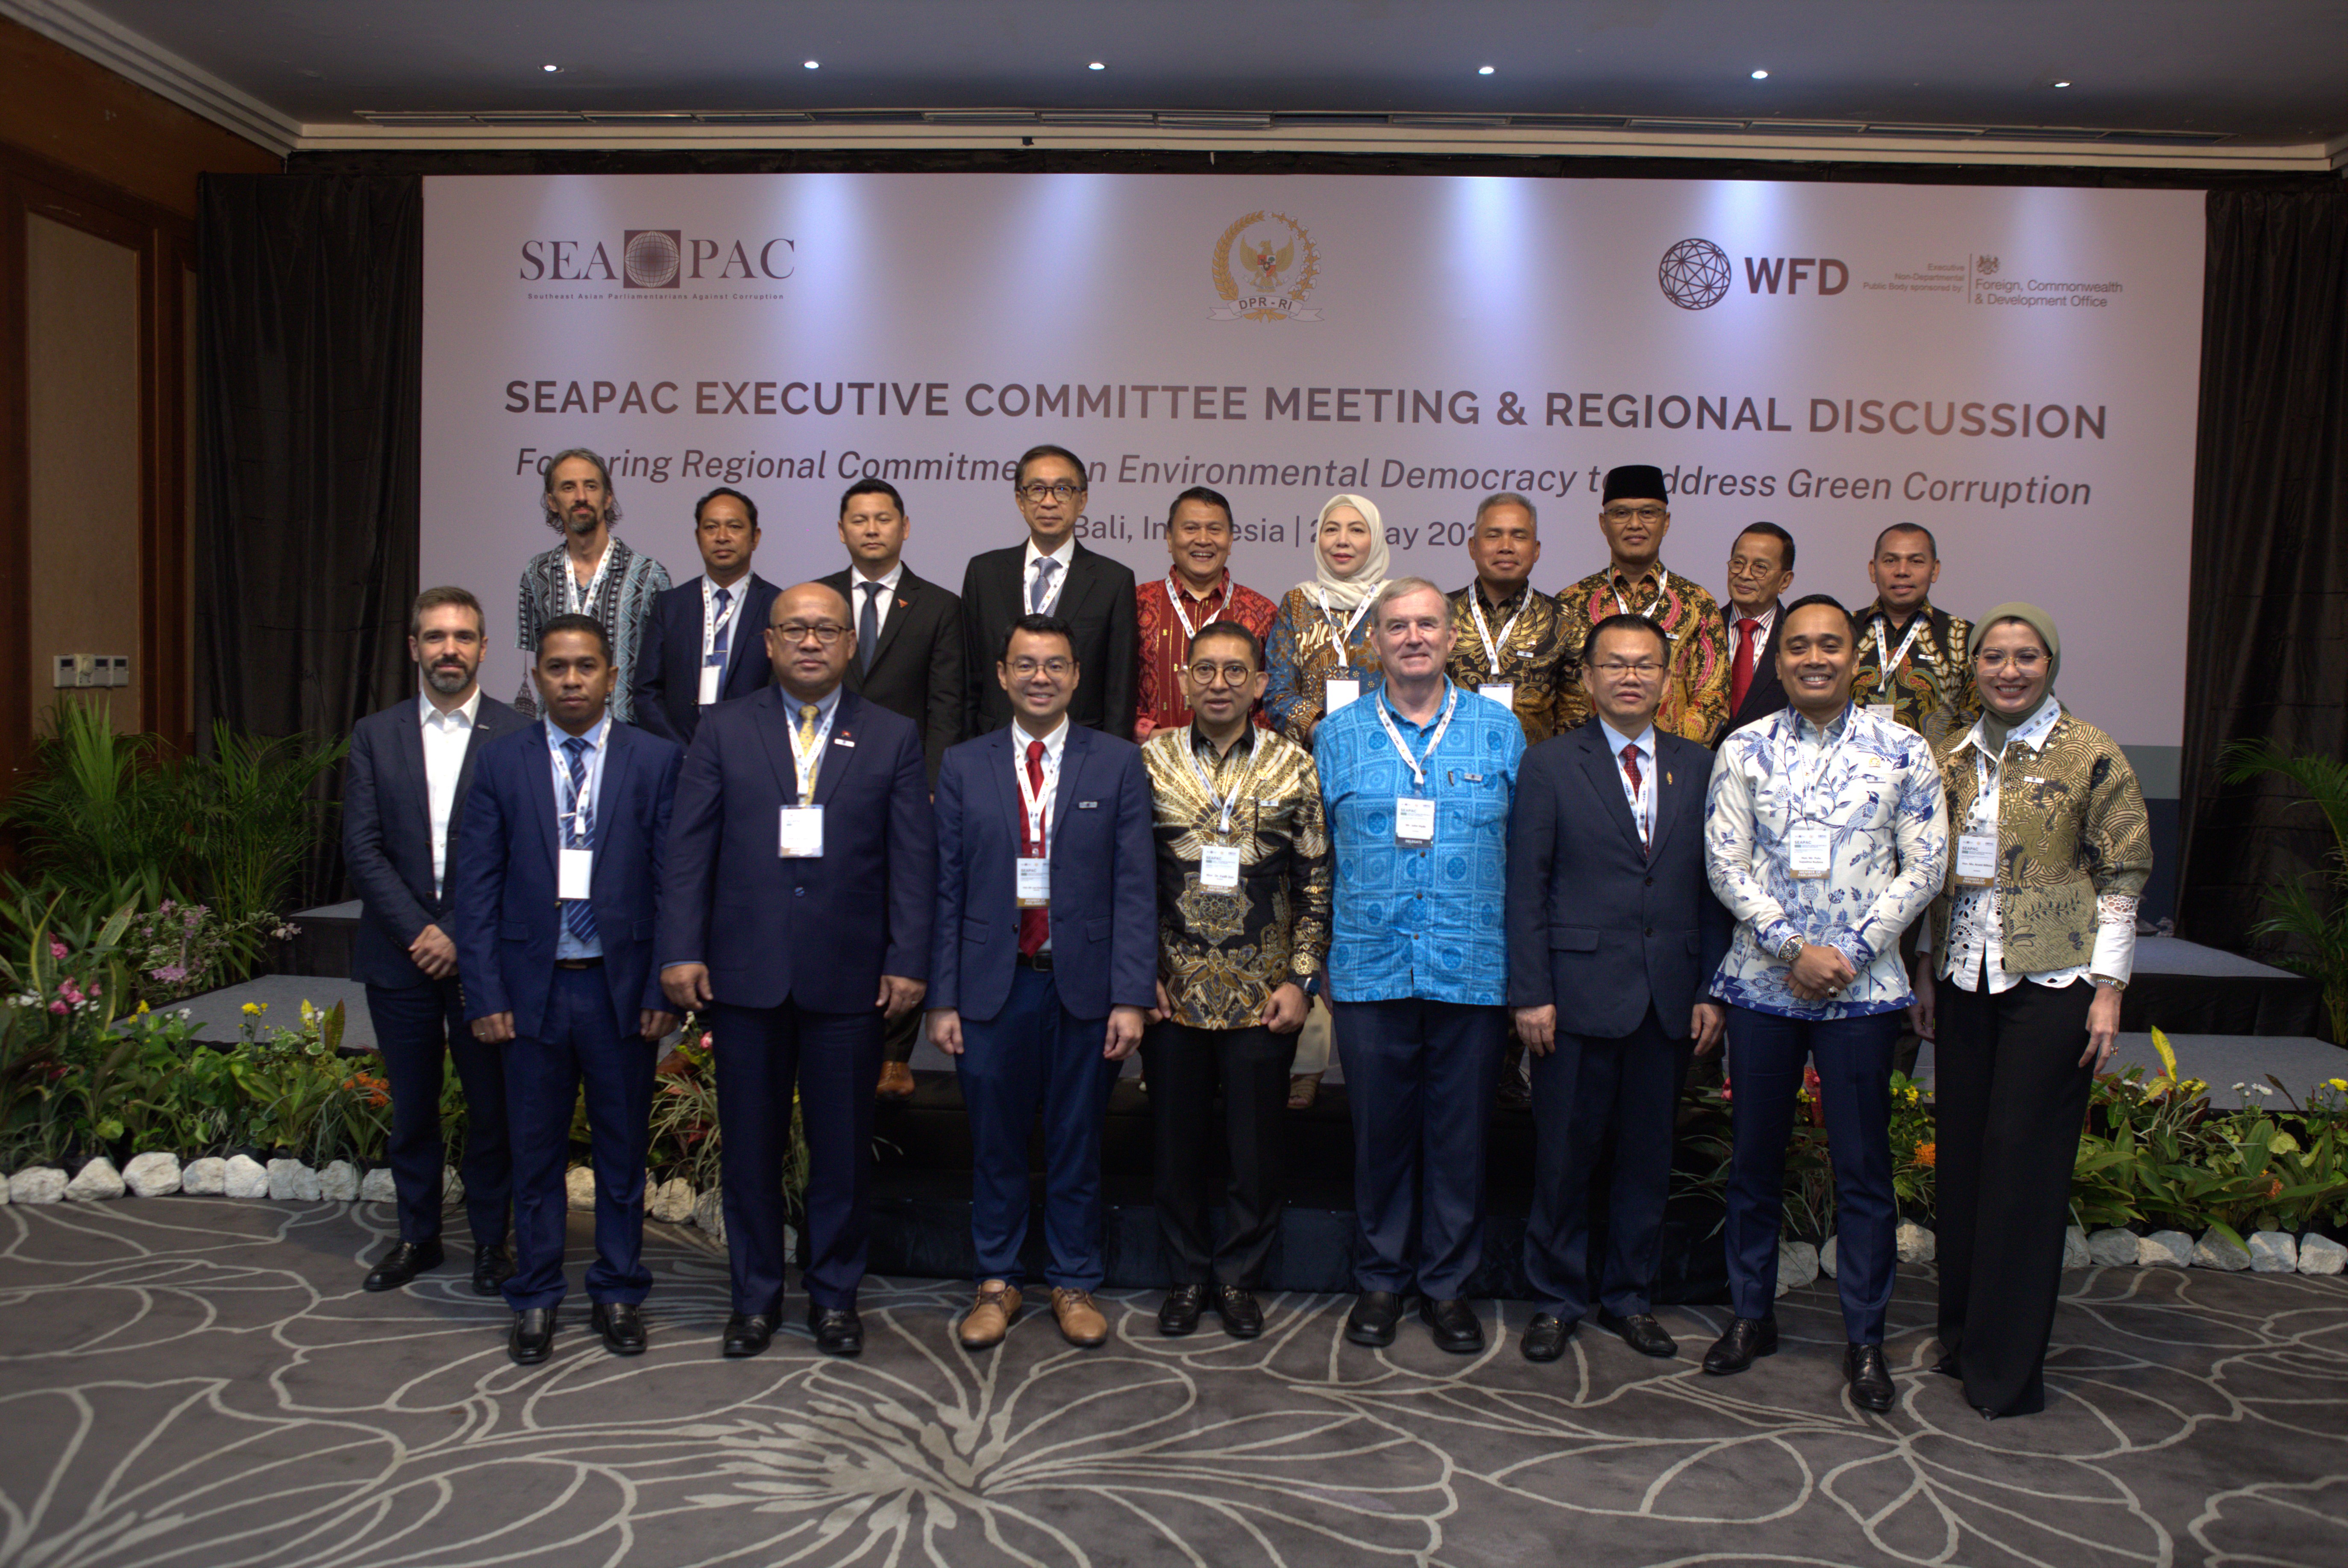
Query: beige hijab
x,y
1345,594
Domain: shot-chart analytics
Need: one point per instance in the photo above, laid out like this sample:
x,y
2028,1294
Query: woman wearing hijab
x,y
2034,938
1321,634
1319,657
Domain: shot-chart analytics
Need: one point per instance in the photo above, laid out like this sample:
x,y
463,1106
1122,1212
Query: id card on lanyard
x,y
1882,707
1415,815
1032,887
712,664
1219,864
1337,691
1809,846
1499,691
1977,845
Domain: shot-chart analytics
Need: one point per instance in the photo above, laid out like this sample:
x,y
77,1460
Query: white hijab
x,y
1346,594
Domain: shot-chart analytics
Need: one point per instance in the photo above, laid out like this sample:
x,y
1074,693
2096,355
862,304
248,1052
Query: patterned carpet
x,y
201,1382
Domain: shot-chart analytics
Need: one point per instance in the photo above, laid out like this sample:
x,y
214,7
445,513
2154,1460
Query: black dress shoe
x,y
1641,1333
1747,1340
1242,1316
532,1340
1454,1324
1545,1337
838,1330
622,1324
1870,1379
1179,1315
403,1264
1372,1321
492,1266
1949,1366
746,1334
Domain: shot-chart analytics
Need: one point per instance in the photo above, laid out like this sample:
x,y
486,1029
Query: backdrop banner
x,y
2013,367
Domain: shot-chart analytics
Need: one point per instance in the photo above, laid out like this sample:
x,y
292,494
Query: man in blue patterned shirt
x,y
1827,833
1419,782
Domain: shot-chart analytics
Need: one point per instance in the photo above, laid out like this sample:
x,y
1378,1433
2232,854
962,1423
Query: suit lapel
x,y
1667,791
1598,763
773,724
549,810
1001,759
618,755
417,784
840,748
1074,753
908,592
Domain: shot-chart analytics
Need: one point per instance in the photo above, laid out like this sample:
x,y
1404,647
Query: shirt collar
x,y
1644,739
1802,728
739,589
1064,555
1200,743
823,705
1652,576
594,737
1052,743
1222,584
2031,732
462,717
1876,611
1386,696
888,579
1767,618
1507,606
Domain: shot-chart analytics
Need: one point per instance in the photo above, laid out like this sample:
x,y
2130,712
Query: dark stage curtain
x,y
310,368
2267,641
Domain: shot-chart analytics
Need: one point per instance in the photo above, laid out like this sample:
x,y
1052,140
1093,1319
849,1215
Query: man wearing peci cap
x,y
1634,516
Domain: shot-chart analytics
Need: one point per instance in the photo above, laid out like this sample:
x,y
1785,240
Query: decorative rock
x,y
4,1186
152,1175
579,1185
339,1181
37,1184
247,1178
2320,1254
2075,1249
709,1213
671,1200
205,1178
285,1180
2215,1251
1827,1257
452,1186
2165,1250
1917,1244
98,1180
2113,1249
2274,1251
305,1186
1798,1265
377,1187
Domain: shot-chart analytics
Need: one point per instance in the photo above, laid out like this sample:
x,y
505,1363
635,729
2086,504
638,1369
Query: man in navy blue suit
x,y
701,641
1613,935
794,907
558,869
403,794
1043,961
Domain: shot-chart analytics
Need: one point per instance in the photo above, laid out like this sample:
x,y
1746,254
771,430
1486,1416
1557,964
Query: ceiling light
x,y
1097,65
1760,76
2062,84
1483,70
550,67
810,65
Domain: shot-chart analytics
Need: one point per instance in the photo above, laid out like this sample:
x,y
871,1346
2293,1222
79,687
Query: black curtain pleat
x,y
309,359
2267,638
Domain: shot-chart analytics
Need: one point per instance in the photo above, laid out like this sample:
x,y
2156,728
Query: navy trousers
x,y
1420,1076
581,1045
1035,1055
415,1028
1585,1090
832,1059
1853,1055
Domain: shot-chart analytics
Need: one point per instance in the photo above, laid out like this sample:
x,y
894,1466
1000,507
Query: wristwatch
x,y
1791,948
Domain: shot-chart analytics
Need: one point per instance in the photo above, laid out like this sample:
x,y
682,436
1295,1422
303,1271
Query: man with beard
x,y
592,573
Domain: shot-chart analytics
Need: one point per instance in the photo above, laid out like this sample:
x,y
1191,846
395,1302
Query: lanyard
x,y
1663,586
1890,661
1344,635
1175,599
711,621
1037,805
1492,645
579,601
1418,767
1239,786
581,797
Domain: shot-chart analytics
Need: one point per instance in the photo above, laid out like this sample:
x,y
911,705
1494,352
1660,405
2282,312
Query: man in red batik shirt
x,y
1198,591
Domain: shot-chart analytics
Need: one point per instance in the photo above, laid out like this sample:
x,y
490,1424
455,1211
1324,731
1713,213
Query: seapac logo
x,y
658,259
1696,275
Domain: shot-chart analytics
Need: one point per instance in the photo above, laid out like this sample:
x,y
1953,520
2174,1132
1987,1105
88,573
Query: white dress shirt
x,y
445,737
880,600
1768,619
1066,555
1641,801
566,946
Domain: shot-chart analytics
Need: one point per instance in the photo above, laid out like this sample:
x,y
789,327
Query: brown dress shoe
x,y
990,1317
1081,1323
896,1083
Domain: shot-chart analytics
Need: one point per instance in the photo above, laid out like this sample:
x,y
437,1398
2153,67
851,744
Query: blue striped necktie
x,y
578,833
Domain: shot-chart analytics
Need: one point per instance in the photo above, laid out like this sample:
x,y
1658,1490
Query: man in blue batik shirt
x,y
1827,832
1417,781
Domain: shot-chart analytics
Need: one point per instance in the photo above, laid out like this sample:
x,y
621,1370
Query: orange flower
x,y
2274,1186
1927,1156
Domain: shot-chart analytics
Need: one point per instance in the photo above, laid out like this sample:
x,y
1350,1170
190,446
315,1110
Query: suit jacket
x,y
387,835
917,669
817,932
1594,926
1766,695
668,659
503,869
1097,601
1104,878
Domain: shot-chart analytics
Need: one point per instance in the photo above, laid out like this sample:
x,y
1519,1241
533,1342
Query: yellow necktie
x,y
809,758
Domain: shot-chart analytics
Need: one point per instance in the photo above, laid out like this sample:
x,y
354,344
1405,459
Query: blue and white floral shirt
x,y
1874,786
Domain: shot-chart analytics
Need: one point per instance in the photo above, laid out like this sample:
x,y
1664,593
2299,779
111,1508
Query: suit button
x,y
801,892
1651,931
1650,881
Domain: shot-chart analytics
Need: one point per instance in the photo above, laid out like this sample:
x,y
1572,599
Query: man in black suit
x,y
1614,936
403,792
1760,570
796,947
702,642
1051,574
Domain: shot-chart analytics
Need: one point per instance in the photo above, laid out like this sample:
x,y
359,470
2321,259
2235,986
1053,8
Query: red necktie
x,y
1631,772
1740,677
1034,925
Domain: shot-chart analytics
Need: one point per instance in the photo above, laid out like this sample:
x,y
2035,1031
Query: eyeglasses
x,y
1233,673
2023,659
1625,513
1027,669
1037,491
1642,668
824,632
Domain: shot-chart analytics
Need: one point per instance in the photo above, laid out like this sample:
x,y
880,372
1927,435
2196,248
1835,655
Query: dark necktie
x,y
1631,772
578,833
1034,925
868,627
1740,677
1045,569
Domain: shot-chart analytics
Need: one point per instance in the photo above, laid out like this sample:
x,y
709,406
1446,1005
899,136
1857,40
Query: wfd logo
x,y
1695,275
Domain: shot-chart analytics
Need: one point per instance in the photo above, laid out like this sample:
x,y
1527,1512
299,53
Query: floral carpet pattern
x,y
201,1382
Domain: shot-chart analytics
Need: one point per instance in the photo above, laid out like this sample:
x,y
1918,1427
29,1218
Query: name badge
x,y
573,871
1219,868
1809,850
1887,712
1335,693
1502,692
802,834
1034,885
1414,821
710,676
1977,857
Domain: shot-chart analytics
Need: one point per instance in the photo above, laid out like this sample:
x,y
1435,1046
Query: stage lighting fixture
x,y
1483,70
